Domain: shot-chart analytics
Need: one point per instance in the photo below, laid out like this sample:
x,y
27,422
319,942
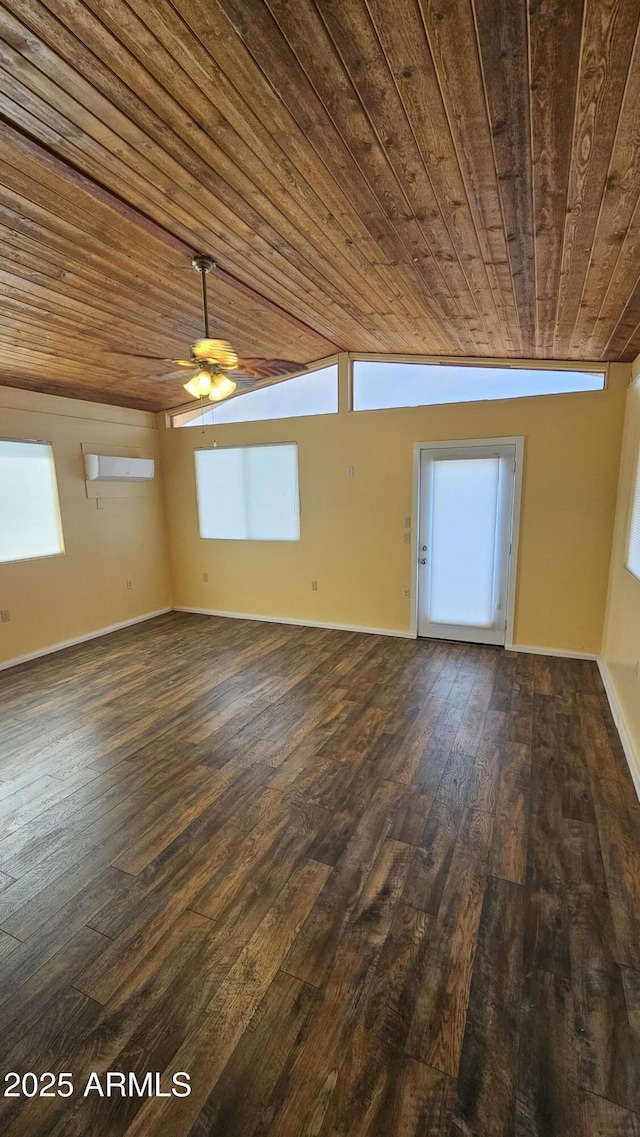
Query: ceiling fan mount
x,y
203,263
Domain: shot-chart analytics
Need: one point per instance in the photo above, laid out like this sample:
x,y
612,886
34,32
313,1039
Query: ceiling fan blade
x,y
155,358
244,382
267,368
137,355
173,375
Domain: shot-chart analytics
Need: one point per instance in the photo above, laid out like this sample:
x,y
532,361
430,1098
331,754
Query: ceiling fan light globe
x,y
192,389
216,395
226,385
203,382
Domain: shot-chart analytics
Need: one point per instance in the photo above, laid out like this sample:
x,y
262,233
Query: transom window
x,y
314,393
380,385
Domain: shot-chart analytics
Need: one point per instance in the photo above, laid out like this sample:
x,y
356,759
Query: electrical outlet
x,y
205,577
406,538
129,584
351,471
407,522
5,616
314,586
405,594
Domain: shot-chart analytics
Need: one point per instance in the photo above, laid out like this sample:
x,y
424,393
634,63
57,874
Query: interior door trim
x,y
451,444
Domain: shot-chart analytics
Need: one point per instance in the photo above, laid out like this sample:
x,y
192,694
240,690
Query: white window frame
x,y
346,359
518,442
489,364
56,501
251,446
633,505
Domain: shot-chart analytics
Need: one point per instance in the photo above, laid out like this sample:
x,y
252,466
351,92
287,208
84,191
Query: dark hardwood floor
x,y
352,885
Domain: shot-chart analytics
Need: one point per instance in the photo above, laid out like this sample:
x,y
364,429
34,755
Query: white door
x,y
464,544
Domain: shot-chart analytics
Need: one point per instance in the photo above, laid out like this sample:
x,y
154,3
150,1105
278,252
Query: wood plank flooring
x,y
354,886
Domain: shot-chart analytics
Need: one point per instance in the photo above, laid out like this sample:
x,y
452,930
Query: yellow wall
x,y
352,528
621,646
55,599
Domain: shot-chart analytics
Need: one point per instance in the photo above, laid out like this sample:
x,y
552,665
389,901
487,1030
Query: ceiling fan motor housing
x,y
217,352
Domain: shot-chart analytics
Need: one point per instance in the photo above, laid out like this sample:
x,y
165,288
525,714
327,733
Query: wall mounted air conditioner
x,y
101,468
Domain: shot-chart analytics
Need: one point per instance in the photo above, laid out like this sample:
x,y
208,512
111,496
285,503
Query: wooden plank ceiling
x,y
452,177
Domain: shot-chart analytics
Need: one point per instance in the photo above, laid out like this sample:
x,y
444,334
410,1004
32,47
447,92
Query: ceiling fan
x,y
212,359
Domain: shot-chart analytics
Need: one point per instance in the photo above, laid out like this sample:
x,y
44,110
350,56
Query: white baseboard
x,y
297,623
557,651
633,759
4,666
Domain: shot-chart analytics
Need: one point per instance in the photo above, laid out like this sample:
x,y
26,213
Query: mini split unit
x,y
100,468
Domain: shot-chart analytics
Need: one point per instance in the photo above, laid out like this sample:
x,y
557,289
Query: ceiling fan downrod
x,y
203,265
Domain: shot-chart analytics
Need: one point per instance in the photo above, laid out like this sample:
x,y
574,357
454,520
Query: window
x,y
314,393
249,493
465,502
29,515
378,385
633,550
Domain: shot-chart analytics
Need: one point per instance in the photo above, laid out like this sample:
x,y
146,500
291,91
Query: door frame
x,y
451,444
